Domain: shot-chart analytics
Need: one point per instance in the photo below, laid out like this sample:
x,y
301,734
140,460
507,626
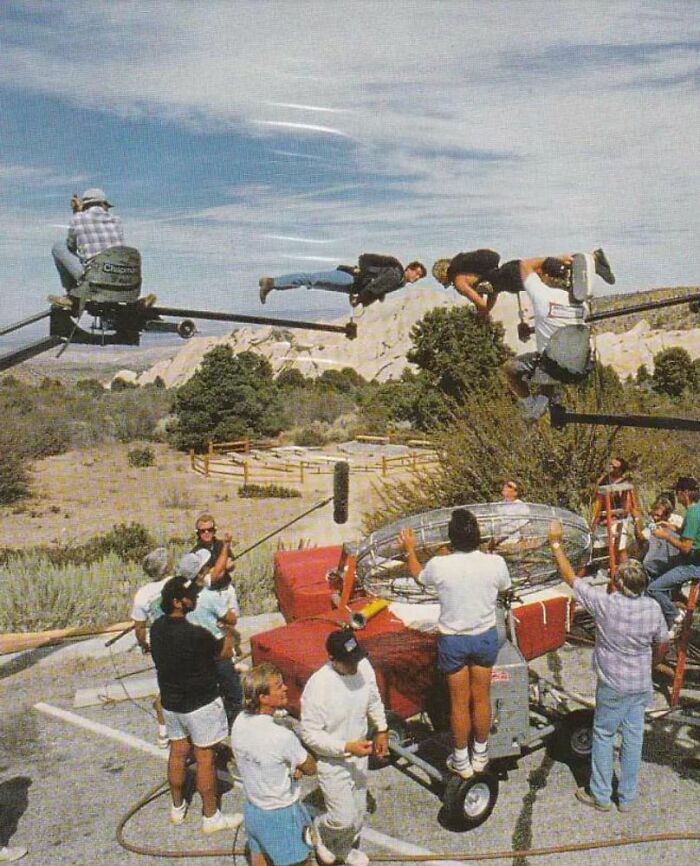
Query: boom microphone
x,y
341,489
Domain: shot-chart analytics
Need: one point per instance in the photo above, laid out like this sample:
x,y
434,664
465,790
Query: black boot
x,y
602,267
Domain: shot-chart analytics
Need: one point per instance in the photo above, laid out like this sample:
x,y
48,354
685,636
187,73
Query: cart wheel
x,y
469,802
574,737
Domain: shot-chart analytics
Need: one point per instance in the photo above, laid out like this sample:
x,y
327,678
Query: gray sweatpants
x,y
343,782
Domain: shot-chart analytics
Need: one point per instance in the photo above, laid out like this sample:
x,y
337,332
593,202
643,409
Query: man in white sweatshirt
x,y
336,704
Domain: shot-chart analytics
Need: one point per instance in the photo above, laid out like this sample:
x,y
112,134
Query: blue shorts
x,y
278,833
456,651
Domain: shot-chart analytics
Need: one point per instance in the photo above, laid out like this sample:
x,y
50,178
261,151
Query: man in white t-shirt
x,y
158,566
554,309
467,583
270,761
336,704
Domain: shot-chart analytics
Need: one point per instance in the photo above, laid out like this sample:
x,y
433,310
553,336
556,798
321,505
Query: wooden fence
x,y
235,460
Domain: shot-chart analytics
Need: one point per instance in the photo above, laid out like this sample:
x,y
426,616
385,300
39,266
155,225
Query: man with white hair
x,y
630,635
92,229
158,566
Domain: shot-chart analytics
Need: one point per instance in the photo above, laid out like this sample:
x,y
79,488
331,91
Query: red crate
x,y
300,580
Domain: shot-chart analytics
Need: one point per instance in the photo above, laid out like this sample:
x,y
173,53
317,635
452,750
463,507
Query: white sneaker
x,y
357,858
480,761
178,813
325,855
461,768
8,855
534,407
218,821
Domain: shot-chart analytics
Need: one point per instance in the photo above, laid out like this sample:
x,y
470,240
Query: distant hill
x,y
379,352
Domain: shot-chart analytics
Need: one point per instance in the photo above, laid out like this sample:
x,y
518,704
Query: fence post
x,y
301,471
245,473
383,466
206,465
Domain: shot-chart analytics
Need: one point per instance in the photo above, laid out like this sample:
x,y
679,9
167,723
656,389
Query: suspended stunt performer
x,y
558,288
372,279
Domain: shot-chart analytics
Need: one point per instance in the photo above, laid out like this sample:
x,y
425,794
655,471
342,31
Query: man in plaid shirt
x,y
92,229
629,630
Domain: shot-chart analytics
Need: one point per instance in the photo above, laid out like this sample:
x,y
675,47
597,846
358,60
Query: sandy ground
x,y
82,493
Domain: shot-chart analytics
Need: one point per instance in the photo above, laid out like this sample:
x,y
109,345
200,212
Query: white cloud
x,y
534,126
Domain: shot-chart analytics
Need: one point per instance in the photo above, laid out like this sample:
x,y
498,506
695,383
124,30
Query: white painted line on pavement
x,y
398,846
381,840
103,730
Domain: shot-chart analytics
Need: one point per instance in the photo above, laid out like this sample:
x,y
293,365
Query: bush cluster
x,y
141,457
267,491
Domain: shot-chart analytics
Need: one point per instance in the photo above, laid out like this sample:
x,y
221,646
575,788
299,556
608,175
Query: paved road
x,y
63,789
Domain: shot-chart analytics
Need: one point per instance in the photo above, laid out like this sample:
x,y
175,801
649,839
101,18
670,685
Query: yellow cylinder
x,y
361,617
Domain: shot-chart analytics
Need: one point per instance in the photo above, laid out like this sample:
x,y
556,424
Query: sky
x,y
259,138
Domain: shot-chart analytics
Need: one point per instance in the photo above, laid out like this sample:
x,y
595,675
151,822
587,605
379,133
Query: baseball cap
x,y
342,646
155,563
95,195
191,564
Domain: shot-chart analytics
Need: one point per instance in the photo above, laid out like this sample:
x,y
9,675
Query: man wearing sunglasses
x,y
218,607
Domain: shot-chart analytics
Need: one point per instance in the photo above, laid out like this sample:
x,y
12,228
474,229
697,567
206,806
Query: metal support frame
x,y
682,644
560,417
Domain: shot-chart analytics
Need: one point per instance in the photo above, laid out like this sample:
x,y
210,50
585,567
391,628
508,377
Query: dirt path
x,y
82,493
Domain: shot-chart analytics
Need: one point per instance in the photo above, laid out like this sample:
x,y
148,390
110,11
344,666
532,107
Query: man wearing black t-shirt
x,y
184,655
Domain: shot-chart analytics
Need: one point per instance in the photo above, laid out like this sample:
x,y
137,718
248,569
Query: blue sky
x,y
249,138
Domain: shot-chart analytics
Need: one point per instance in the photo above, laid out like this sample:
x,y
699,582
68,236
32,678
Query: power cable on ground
x,y
464,857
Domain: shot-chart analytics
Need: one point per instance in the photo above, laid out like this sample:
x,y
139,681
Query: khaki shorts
x,y
205,726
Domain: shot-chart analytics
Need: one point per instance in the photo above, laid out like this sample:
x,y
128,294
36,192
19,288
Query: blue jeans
x,y
617,711
660,589
70,268
330,281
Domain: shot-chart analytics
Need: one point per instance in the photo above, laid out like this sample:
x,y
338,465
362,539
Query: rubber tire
x,y
574,737
461,812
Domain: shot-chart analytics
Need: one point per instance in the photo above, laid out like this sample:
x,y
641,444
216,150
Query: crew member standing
x,y
630,633
271,760
467,582
184,655
336,704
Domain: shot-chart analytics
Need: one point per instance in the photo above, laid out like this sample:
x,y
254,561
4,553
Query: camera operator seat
x,y
112,276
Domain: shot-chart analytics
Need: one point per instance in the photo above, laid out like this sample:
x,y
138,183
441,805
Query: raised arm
x,y
556,534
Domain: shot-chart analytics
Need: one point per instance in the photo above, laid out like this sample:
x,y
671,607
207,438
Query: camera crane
x,y
110,294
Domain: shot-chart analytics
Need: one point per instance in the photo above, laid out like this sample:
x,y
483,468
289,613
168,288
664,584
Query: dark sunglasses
x,y
204,529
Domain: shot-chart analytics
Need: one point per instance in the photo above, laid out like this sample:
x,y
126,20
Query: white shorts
x,y
205,726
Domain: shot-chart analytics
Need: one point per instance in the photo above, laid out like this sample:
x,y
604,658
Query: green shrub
x,y
142,456
254,581
309,437
267,491
14,475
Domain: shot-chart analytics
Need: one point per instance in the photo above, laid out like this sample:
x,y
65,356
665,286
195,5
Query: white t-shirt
x,y
142,610
552,308
467,586
335,709
267,755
